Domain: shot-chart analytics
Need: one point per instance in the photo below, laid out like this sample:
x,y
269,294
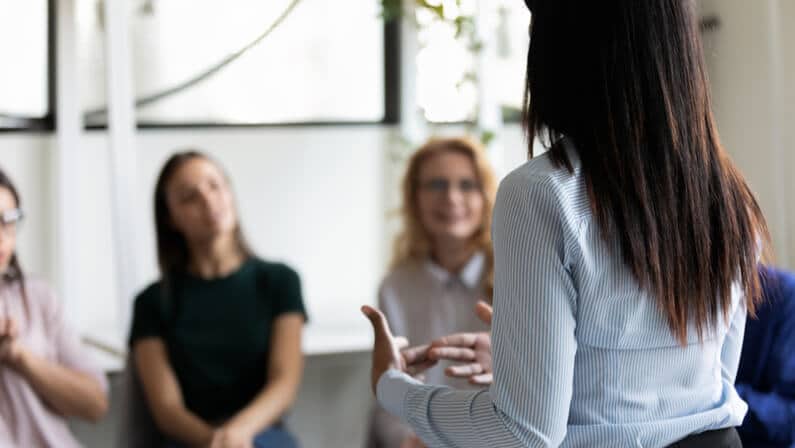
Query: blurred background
x,y
312,106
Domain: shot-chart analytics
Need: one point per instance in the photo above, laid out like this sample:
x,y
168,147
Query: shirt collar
x,y
470,275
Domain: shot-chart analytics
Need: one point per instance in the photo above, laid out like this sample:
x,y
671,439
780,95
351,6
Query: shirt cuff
x,y
391,391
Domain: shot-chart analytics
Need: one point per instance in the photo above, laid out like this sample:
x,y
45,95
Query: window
x,y
24,92
323,63
446,64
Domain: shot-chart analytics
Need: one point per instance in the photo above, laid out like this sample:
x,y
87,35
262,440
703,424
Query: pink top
x,y
25,420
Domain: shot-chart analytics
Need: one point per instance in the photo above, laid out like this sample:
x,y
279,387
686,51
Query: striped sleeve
x,y
732,345
533,338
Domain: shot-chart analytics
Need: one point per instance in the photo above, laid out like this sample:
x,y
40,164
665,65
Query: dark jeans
x,y
275,437
720,438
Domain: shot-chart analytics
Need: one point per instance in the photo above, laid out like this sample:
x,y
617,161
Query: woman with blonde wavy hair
x,y
443,260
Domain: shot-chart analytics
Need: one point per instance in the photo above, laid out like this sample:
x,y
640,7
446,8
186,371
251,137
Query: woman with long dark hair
x,y
625,257
46,375
216,341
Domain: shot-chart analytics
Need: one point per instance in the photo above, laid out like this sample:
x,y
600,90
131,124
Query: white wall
x,y
318,198
751,62
311,198
786,18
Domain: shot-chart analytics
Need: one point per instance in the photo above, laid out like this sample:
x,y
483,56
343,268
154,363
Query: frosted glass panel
x,y
323,63
445,65
23,49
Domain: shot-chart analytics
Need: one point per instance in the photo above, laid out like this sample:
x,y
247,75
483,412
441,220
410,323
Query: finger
x,y
383,342
484,379
401,342
452,354
456,340
464,371
408,442
415,354
484,311
378,321
415,369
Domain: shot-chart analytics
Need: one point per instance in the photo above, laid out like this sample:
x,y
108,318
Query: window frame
x,y
45,124
391,99
392,90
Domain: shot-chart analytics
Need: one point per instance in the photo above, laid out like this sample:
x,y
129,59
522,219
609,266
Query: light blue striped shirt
x,y
582,356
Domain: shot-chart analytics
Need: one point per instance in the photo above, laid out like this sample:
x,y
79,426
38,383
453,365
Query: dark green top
x,y
217,332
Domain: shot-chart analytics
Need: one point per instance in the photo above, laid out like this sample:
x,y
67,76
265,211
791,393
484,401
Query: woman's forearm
x,y
268,407
66,391
164,396
180,424
285,368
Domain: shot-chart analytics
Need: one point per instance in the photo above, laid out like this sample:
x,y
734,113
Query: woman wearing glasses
x,y
442,261
45,374
625,257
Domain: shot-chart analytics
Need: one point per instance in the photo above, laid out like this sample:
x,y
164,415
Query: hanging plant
x,y
464,24
452,13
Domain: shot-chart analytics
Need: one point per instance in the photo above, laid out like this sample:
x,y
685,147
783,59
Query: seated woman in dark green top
x,y
217,341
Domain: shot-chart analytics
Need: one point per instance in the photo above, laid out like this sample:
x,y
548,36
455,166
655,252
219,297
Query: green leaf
x,y
486,137
391,9
436,9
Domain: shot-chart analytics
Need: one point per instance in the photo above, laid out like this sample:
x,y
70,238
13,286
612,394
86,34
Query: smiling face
x,y
449,198
200,202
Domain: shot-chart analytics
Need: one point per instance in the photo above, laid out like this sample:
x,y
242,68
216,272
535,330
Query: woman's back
x,y
633,383
619,255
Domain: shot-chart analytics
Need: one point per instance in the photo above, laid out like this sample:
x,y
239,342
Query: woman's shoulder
x,y
39,296
150,294
541,183
36,285
38,291
544,170
272,269
405,272
778,289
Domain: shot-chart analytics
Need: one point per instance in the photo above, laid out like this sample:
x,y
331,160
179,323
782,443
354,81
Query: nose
x,y
453,194
206,198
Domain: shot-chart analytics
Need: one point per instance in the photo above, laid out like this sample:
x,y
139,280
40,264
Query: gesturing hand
x,y
230,436
471,350
10,348
386,350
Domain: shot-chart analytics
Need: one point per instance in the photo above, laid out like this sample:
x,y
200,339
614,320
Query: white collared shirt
x,y
423,301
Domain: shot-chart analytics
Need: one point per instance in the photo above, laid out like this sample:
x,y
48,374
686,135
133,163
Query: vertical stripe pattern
x,y
582,356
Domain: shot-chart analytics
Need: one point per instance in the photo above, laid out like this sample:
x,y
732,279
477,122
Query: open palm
x,y
472,351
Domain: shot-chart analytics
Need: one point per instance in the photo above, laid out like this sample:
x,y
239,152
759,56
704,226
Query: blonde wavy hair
x,y
413,242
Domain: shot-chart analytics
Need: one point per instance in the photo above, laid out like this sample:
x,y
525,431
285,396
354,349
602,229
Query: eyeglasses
x,y
440,185
9,220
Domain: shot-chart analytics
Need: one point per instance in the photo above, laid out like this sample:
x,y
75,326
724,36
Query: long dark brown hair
x,y
625,81
15,272
173,253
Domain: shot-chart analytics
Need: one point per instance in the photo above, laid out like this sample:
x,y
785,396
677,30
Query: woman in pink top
x,y
45,375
